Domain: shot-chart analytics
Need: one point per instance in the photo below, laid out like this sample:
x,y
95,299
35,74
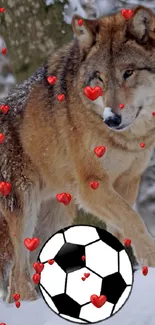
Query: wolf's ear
x,y
142,25
85,31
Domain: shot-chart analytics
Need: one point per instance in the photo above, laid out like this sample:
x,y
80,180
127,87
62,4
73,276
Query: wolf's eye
x,y
127,74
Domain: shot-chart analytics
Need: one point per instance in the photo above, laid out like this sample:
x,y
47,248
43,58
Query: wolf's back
x,y
18,95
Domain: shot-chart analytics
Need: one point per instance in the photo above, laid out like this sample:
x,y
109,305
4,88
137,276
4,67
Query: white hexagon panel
x,y
80,288
53,279
81,235
101,258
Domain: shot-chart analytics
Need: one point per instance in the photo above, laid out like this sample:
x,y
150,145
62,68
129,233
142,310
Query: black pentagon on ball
x,y
69,257
112,287
66,305
109,239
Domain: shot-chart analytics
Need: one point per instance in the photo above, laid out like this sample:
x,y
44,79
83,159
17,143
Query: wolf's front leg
x,y
127,188
21,224
110,207
53,216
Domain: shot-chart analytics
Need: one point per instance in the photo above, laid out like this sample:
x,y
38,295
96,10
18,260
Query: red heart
x,y
5,188
86,275
145,270
100,151
98,301
127,242
127,14
50,262
83,278
153,113
2,137
64,198
52,80
61,97
4,50
32,244
83,258
36,278
94,185
2,324
2,9
93,93
4,108
16,296
17,304
142,144
38,267
80,22
121,106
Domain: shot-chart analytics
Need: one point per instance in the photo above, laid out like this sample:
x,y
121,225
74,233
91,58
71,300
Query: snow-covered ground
x,y
139,309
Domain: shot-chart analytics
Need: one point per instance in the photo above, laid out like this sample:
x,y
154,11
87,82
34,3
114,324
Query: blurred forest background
x,y
30,30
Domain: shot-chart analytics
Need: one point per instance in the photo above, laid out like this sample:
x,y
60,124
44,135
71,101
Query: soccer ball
x,y
87,261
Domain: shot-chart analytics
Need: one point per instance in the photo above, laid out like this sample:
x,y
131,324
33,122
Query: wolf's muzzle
x,y
113,121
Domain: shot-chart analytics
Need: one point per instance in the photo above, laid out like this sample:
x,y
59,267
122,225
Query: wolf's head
x,y
119,56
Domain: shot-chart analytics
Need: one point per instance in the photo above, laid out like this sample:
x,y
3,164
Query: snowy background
x,y
140,308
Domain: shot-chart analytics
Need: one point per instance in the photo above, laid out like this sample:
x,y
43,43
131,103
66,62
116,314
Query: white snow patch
x,y
49,2
139,309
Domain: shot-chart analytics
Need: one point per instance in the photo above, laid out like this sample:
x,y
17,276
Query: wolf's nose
x,y
113,121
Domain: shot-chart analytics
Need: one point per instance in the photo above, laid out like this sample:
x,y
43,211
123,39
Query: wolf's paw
x,y
146,255
148,260
9,294
27,292
30,296
9,297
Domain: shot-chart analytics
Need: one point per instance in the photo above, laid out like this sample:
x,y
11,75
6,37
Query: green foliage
x,y
88,219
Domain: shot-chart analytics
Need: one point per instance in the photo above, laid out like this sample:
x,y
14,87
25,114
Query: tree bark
x,y
31,31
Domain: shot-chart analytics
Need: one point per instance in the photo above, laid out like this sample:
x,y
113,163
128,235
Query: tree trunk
x,y
31,31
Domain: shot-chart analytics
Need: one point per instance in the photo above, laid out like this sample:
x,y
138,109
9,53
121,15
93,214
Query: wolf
x,y
50,139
